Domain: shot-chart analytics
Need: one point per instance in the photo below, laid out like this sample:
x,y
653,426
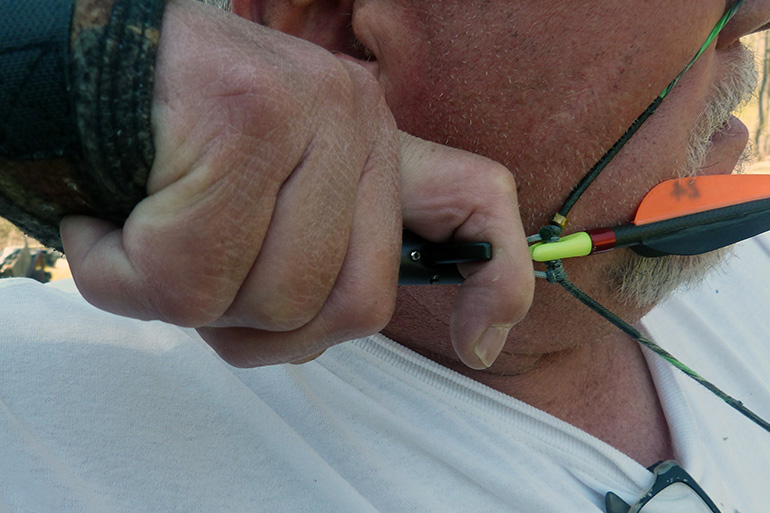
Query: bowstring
x,y
556,273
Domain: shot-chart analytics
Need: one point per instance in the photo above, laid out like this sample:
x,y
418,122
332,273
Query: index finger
x,y
449,194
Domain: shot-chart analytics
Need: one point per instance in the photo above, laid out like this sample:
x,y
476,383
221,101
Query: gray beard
x,y
642,281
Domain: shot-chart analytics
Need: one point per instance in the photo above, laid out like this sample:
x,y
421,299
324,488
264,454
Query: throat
x,y
604,388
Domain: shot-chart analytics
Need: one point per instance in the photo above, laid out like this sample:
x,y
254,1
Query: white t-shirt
x,y
102,413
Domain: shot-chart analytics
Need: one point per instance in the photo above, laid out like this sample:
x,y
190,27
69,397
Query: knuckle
x,y
238,103
196,304
502,179
364,81
379,313
291,312
294,301
361,93
231,353
247,348
368,314
332,89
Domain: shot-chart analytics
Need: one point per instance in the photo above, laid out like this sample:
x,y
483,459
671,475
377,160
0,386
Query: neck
x,y
604,388
602,385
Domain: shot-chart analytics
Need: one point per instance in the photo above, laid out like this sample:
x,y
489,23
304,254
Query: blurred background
x,y
756,115
22,256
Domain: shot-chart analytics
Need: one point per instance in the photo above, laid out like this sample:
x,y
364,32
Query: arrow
x,y
684,216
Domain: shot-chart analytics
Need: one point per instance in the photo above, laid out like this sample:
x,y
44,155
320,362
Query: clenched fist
x,y
273,218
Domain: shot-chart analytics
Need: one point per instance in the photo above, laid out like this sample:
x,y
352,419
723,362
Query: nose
x,y
752,16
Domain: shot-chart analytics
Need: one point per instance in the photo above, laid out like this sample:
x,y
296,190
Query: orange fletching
x,y
684,196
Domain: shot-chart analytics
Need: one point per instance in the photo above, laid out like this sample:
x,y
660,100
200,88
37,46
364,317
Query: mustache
x,y
734,91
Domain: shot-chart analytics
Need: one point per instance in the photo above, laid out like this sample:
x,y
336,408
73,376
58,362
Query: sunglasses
x,y
674,491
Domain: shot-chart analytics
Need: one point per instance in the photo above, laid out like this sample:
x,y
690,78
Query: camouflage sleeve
x,y
76,82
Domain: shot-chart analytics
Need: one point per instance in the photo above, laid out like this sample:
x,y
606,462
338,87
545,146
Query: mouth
x,y
726,146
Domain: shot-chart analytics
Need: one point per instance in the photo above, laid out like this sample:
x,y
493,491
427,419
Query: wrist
x,y
79,139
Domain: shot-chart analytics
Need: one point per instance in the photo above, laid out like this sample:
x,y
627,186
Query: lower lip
x,y
726,148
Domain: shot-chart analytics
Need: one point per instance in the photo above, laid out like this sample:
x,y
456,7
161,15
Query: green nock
x,y
574,245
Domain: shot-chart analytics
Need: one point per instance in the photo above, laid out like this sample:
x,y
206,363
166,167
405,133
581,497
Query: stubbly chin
x,y
727,146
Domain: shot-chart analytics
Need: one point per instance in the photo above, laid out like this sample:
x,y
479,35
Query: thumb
x,y
450,194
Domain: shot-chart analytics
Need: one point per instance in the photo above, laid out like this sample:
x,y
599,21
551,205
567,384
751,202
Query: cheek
x,y
546,140
656,153
455,93
547,110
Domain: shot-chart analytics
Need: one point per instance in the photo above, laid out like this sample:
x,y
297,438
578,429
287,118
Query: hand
x,y
273,217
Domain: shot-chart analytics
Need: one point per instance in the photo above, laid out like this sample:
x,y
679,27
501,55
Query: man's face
x,y
546,87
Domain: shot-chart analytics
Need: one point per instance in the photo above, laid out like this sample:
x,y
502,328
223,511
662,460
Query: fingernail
x,y
491,343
